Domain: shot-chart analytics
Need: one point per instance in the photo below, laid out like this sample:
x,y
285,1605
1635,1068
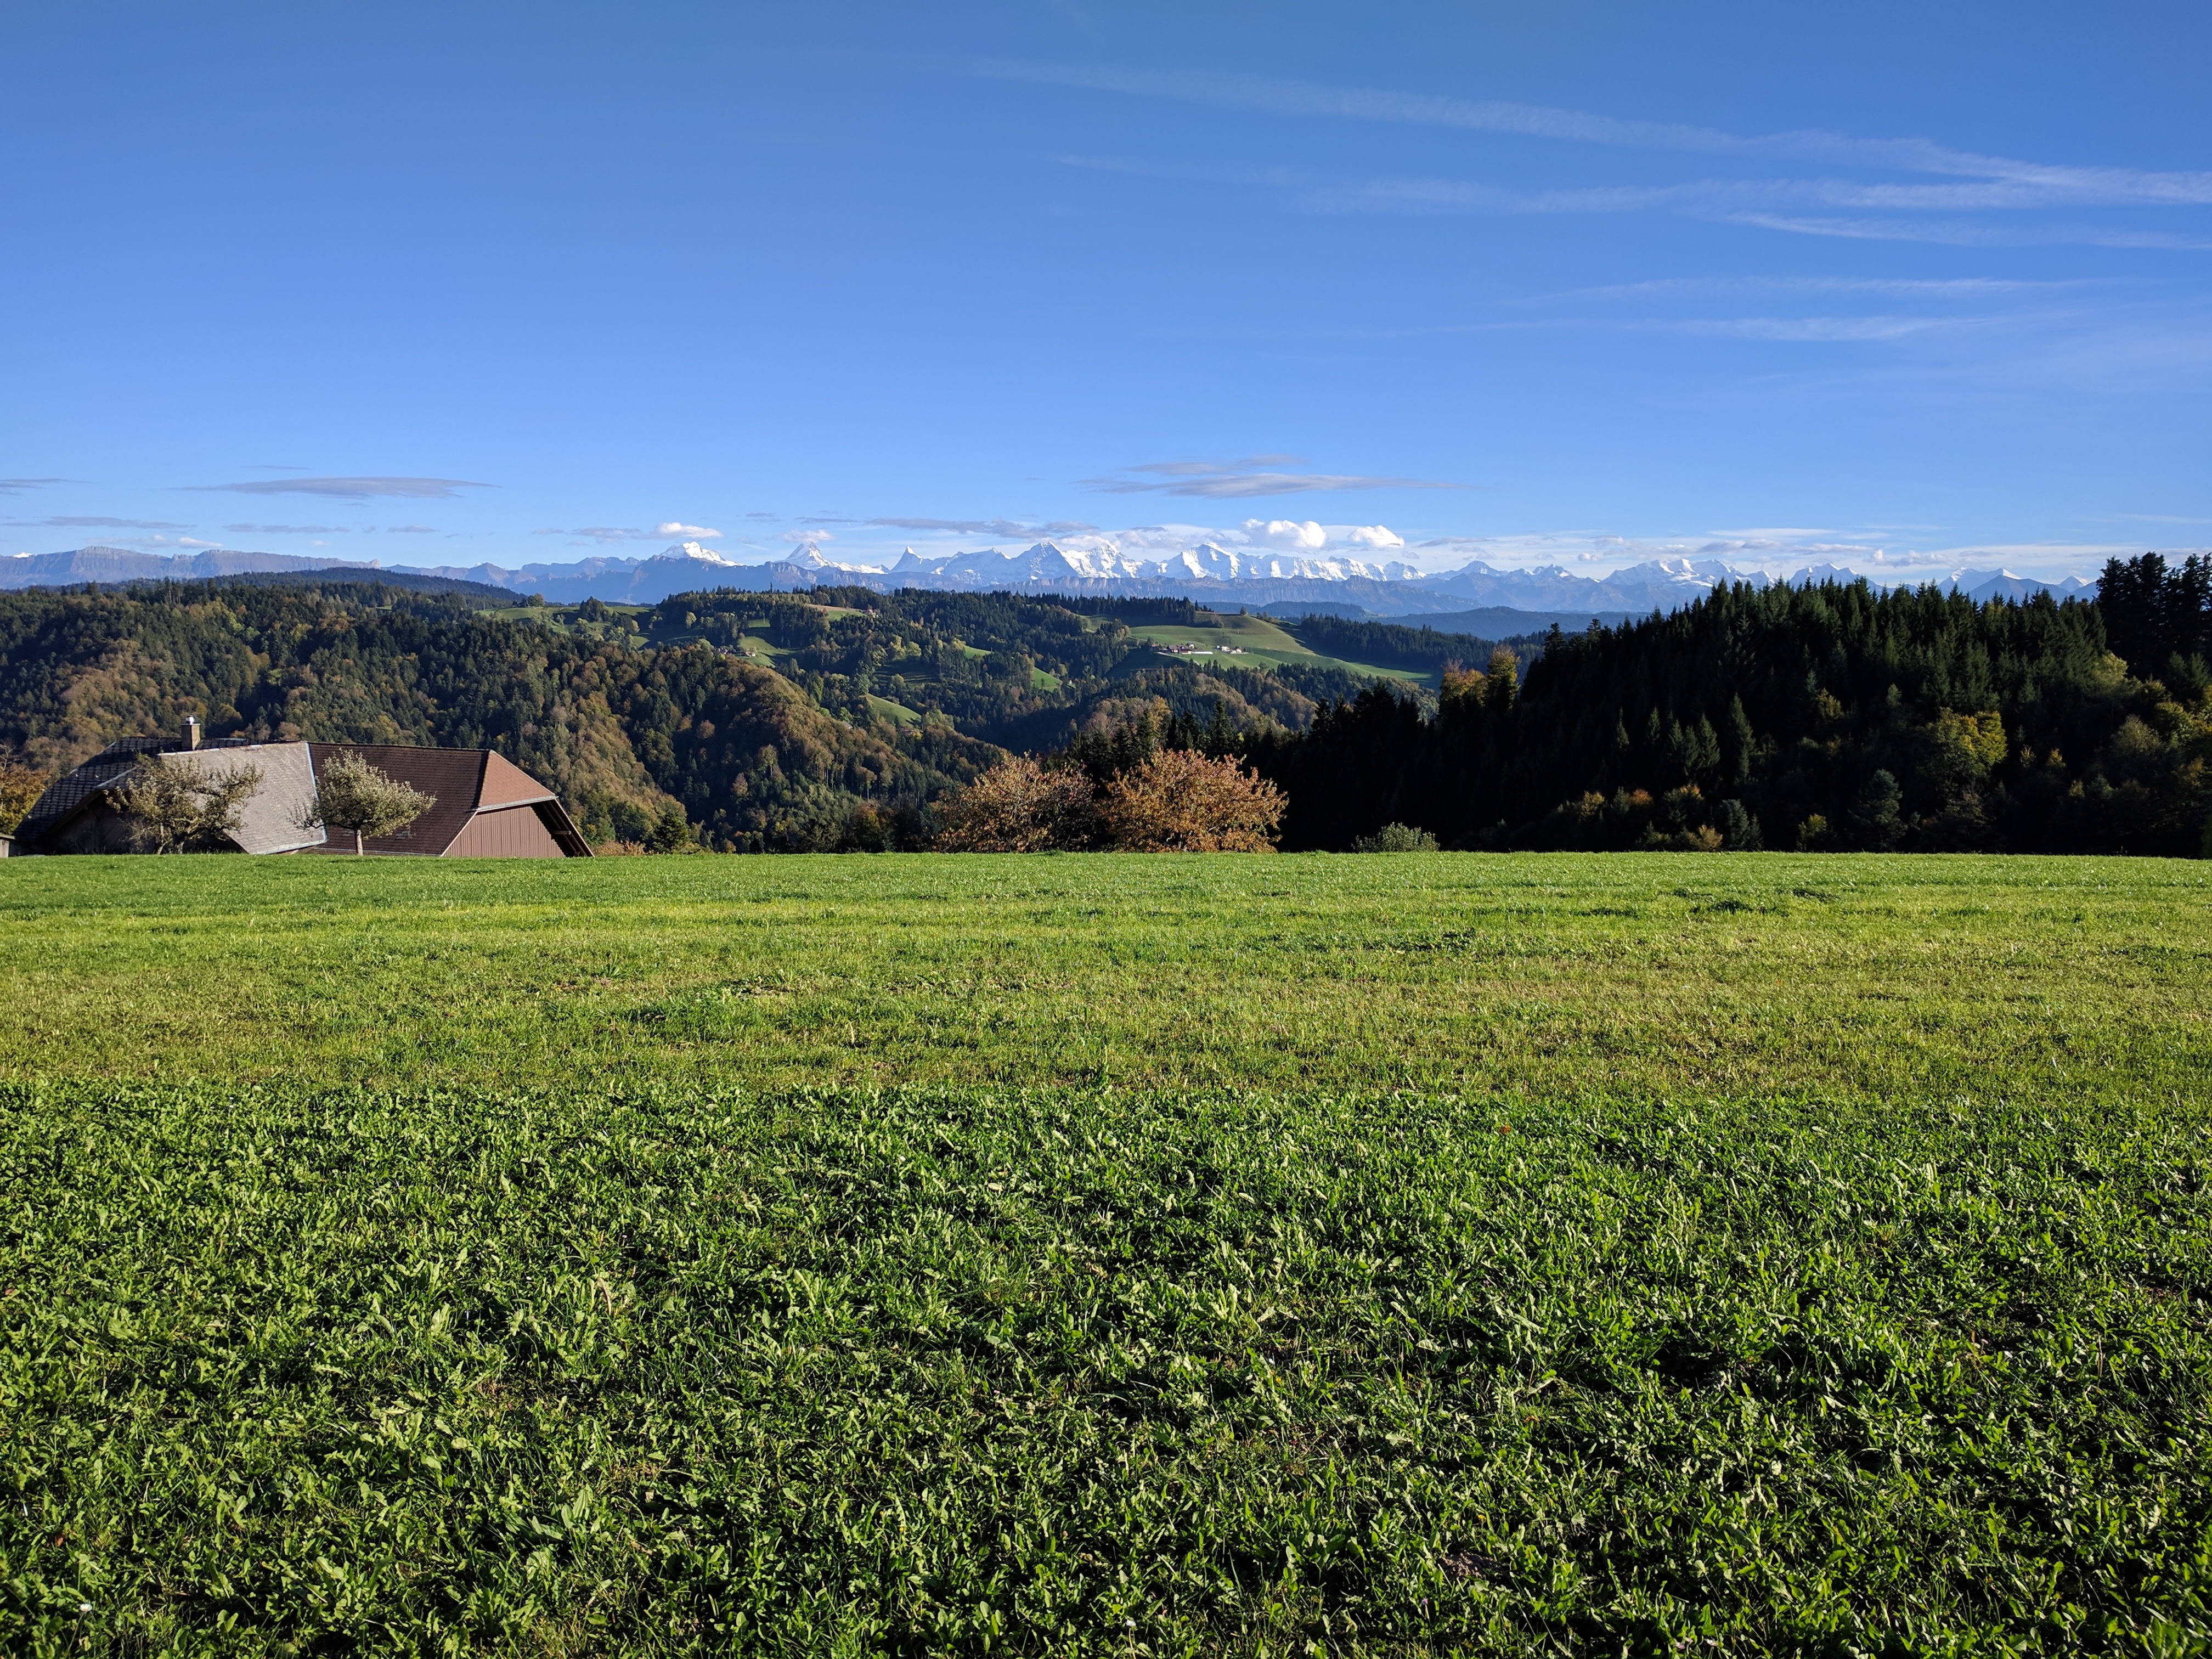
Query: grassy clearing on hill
x,y
1263,642
1142,1255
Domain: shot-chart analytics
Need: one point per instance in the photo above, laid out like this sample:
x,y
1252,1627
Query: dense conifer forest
x,y
1824,717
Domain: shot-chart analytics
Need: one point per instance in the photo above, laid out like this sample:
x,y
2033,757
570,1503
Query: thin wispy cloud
x,y
17,486
2047,182
285,530
1199,469
667,529
1009,528
1970,199
77,522
595,532
1913,339
1813,329
1955,233
1775,205
1762,203
1697,288
1241,481
351,490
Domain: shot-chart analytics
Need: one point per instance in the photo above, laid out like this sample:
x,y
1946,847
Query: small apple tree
x,y
363,801
174,807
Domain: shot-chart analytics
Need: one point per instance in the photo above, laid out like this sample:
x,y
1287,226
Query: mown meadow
x,y
1425,1254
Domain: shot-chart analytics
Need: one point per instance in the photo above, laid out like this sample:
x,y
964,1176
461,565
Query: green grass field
x,y
1424,1255
1260,642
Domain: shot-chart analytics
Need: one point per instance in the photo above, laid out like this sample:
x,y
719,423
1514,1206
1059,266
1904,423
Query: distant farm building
x,y
486,805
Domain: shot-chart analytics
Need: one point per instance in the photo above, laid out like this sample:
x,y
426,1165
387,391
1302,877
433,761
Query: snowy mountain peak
x,y
694,550
808,555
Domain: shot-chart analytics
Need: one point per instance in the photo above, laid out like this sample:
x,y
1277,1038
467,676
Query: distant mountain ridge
x,y
1207,572
124,564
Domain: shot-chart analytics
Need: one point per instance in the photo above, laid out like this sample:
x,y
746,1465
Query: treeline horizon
x,y
1826,717
1829,717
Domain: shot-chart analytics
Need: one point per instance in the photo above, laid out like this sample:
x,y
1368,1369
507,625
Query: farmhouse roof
x,y
484,803
63,796
268,818
465,782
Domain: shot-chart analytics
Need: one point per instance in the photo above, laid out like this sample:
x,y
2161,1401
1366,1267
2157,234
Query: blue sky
x,y
1532,282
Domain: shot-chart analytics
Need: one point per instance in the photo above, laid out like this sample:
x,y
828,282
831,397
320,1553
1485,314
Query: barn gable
x,y
468,784
483,804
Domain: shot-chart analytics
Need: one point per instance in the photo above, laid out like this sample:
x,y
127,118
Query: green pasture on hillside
x,y
1413,1255
897,713
1262,642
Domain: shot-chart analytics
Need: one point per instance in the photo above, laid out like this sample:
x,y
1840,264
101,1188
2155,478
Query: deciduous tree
x,y
363,801
19,789
176,807
1019,807
1182,801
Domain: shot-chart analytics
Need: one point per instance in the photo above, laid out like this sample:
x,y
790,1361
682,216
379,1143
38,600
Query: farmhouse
x,y
485,806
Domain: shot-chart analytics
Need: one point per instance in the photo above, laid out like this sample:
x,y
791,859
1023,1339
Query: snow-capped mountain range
x,y
1050,563
1207,572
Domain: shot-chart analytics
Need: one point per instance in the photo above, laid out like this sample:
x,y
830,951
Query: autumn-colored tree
x,y
19,789
1468,688
1182,801
176,808
1019,807
1958,751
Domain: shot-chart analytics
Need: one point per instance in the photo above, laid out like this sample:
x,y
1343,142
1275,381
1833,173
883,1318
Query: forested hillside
x,y
772,723
1819,717
1822,717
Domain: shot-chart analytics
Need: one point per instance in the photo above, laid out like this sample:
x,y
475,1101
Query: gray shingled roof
x,y
66,794
268,818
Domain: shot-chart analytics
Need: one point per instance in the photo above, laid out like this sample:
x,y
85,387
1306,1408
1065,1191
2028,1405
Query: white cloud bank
x,y
1293,537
